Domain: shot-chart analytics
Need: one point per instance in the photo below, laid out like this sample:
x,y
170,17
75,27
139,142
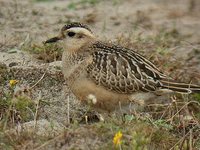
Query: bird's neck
x,y
72,60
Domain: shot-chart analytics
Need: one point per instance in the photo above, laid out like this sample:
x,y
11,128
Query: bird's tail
x,y
180,87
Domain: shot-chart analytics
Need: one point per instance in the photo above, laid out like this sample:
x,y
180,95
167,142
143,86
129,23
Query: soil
x,y
24,24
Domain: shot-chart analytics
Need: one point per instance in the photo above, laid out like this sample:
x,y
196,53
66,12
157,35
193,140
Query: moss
x,y
197,96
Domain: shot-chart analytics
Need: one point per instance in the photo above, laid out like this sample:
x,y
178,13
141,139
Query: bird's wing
x,y
122,70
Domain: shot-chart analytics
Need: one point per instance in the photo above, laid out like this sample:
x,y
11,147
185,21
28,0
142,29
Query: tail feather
x,y
180,87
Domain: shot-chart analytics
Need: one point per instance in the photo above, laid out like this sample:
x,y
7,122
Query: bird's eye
x,y
71,34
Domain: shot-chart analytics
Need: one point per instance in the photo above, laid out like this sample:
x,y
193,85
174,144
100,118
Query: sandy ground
x,y
26,23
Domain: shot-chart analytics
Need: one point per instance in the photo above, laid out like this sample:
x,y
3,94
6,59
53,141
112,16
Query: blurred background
x,y
165,26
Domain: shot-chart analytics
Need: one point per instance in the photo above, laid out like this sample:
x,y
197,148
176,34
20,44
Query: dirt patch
x,y
166,32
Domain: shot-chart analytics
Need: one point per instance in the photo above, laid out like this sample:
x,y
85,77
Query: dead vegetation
x,y
36,112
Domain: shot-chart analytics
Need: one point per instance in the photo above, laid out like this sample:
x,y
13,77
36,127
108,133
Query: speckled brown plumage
x,y
111,74
126,71
122,70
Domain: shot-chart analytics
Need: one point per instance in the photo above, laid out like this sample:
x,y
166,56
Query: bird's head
x,y
73,36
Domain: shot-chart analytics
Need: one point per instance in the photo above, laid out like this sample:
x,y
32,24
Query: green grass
x,y
15,104
136,134
15,109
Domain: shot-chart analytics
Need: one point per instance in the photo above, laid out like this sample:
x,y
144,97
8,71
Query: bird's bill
x,y
54,39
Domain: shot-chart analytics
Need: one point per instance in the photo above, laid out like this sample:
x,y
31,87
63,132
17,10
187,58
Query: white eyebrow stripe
x,y
81,30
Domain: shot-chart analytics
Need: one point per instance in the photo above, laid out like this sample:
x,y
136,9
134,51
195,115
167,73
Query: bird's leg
x,y
91,101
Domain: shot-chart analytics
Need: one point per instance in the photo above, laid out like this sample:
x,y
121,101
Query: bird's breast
x,y
71,64
100,98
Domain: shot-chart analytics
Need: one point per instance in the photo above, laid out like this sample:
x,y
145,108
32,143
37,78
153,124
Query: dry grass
x,y
38,95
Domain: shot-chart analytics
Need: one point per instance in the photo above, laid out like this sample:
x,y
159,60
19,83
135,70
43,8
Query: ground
x,y
38,111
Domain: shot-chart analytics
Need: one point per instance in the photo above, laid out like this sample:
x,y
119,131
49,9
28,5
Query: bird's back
x,y
122,70
125,71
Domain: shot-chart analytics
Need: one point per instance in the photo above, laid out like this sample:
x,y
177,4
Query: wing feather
x,y
122,70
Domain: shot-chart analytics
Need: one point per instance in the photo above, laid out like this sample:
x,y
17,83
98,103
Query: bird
x,y
109,76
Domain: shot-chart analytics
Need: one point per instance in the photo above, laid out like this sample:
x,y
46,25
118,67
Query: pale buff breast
x,y
105,100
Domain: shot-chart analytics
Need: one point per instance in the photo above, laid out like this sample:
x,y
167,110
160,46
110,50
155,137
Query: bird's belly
x,y
84,90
